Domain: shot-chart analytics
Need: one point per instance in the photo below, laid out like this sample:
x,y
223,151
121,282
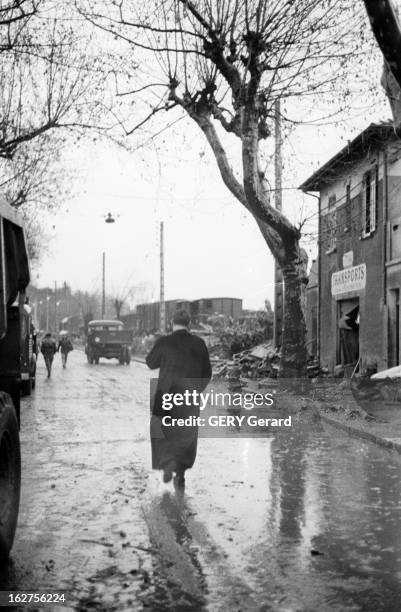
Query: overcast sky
x,y
212,246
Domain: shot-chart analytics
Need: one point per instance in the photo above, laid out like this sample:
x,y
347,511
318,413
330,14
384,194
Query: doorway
x,y
394,328
348,332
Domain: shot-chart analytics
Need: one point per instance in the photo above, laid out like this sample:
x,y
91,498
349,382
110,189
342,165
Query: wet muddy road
x,y
305,521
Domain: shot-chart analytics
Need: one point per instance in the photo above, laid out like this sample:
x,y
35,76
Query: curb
x,y
365,435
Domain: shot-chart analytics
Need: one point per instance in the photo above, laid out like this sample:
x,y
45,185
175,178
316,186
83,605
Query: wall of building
x,y
312,308
361,250
393,251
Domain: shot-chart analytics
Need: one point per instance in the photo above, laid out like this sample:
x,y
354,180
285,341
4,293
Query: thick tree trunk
x,y
288,253
386,28
293,350
285,248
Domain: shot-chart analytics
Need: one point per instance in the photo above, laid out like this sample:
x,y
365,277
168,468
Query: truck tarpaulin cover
x,y
17,267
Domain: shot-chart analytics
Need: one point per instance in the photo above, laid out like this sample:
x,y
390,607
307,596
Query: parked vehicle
x,y
108,339
29,351
14,278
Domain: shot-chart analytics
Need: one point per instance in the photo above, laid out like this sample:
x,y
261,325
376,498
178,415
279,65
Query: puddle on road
x,y
315,524
307,521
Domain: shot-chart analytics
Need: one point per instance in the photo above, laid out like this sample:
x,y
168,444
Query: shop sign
x,y
348,259
351,279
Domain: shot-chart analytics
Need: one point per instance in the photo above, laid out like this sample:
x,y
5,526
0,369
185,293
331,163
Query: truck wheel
x,y
26,387
10,474
33,373
127,357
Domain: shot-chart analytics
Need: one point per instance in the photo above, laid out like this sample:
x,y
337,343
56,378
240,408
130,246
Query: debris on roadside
x,y
256,363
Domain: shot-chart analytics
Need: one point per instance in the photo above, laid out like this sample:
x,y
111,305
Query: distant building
x,y
147,315
230,307
312,309
359,273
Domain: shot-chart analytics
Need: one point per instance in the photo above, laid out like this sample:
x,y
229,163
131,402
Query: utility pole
x,y
39,314
162,321
55,307
47,311
104,286
278,200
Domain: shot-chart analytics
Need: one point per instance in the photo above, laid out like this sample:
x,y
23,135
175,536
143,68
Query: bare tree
x,y
125,295
48,80
50,92
118,304
225,64
386,28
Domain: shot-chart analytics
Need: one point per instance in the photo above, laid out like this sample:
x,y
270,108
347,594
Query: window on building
x,y
348,207
369,202
395,238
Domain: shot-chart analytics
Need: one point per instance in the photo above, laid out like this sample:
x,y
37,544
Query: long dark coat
x,y
184,364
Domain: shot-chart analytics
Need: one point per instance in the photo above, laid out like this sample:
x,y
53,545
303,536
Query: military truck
x,y
14,278
109,339
29,351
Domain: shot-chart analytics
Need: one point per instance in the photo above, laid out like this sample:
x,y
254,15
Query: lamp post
x,y
104,285
108,219
47,312
162,310
39,321
56,305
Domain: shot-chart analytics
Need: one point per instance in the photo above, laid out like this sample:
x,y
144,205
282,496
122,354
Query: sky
x,y
212,246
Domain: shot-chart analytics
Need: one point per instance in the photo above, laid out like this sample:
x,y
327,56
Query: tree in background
x,y
51,90
225,64
118,304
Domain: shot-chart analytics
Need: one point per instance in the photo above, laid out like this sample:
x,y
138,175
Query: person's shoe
x,y
168,472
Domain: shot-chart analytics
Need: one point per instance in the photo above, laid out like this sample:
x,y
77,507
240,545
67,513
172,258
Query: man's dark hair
x,y
181,317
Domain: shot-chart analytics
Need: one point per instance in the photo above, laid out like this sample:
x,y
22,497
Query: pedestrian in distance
x,y
48,349
65,346
184,365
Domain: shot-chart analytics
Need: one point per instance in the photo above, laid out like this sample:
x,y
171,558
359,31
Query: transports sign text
x,y
350,279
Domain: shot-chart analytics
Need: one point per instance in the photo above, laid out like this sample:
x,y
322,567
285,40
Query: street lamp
x,y
39,313
108,219
56,305
47,312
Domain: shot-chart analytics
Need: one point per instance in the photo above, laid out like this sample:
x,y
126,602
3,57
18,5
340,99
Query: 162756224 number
x,y
25,597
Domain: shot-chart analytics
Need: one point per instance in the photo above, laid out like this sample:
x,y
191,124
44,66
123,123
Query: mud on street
x,y
304,521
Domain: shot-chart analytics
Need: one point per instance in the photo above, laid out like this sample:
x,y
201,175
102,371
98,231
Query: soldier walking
x,y
64,346
48,349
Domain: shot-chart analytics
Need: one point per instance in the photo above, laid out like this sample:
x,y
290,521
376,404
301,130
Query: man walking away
x,y
184,364
65,346
48,348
